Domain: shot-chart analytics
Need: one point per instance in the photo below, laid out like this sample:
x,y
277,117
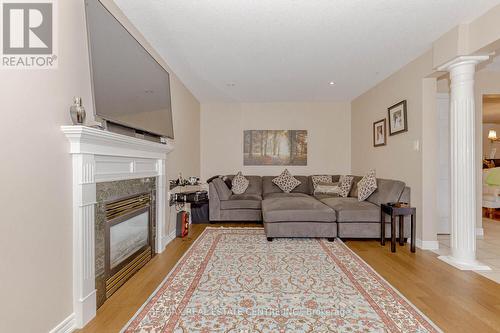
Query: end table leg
x,y
393,233
382,228
413,232
401,230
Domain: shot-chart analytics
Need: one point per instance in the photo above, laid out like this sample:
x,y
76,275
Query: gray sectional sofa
x,y
301,213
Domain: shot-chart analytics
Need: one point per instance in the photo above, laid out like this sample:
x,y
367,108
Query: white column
x,y
463,163
84,199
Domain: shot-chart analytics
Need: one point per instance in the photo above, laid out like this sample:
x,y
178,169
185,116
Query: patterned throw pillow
x,y
239,184
286,182
345,184
367,185
321,179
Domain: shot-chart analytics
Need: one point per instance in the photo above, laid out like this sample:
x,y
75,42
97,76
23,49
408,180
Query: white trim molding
x,y
66,326
100,156
427,245
467,265
88,140
479,232
168,238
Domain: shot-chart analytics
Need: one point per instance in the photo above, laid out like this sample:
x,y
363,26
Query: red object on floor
x,y
182,224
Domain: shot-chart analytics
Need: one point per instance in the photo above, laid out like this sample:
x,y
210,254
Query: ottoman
x,y
297,216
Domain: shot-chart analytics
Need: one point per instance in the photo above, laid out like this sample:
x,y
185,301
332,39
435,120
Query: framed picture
x,y
275,147
379,133
398,122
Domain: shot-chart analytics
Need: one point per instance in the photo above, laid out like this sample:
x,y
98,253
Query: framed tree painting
x,y
275,147
379,133
398,122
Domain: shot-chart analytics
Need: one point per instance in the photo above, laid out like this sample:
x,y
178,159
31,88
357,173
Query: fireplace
x,y
128,238
108,167
125,232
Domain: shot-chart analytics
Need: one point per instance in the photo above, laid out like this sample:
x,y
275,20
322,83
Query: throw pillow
x,y
367,185
239,184
286,182
345,183
327,188
321,179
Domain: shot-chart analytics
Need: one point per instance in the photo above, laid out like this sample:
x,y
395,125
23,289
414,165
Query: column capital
x,y
462,60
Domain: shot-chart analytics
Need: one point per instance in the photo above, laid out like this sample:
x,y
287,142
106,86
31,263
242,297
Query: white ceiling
x,y
289,50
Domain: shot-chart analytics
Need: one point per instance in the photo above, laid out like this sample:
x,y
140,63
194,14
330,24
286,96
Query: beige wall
x,y
398,159
222,126
487,83
481,36
35,200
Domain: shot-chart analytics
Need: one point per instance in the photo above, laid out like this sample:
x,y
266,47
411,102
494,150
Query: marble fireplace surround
x,y
111,191
99,156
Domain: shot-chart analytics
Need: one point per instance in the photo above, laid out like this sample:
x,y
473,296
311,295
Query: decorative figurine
x,y
77,111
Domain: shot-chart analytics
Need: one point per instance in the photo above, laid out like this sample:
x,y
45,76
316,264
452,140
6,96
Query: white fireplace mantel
x,y
101,156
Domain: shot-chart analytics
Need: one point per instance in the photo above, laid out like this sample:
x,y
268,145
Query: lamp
x,y
492,135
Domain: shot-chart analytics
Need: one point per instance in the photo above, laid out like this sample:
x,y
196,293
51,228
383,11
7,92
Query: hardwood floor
x,y
456,301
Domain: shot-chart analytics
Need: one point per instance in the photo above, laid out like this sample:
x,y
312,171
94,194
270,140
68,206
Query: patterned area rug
x,y
234,280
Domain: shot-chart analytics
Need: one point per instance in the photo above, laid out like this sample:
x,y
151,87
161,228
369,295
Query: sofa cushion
x,y
241,204
351,210
285,195
296,209
245,196
239,184
388,190
269,187
354,188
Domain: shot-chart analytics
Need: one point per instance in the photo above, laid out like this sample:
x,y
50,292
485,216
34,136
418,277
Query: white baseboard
x,y
165,240
427,245
480,232
68,325
465,266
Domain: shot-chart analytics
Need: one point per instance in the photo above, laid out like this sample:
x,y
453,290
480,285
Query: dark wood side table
x,y
394,212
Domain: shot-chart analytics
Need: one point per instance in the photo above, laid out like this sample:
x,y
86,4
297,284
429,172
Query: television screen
x,y
130,87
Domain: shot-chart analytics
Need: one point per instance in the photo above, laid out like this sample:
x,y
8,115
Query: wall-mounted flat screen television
x,y
130,87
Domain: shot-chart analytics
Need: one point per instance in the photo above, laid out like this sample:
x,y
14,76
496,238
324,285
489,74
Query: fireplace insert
x,y
128,238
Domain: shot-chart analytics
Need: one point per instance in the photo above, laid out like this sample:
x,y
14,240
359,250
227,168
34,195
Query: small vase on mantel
x,y
77,111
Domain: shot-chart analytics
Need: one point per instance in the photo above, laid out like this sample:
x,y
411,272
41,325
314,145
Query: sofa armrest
x,y
223,191
213,203
406,195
